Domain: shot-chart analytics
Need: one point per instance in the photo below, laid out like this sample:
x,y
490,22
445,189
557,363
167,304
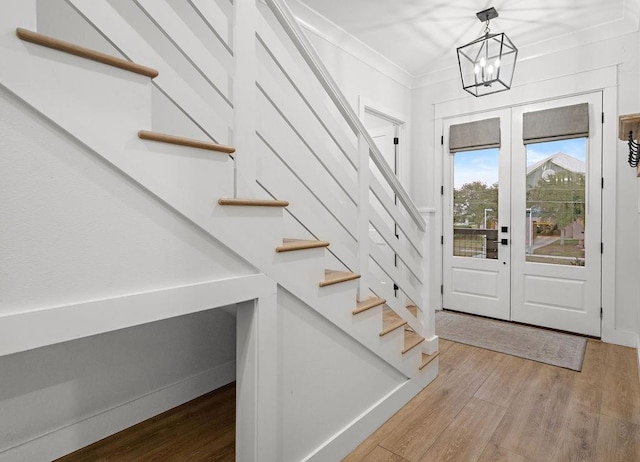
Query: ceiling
x,y
421,36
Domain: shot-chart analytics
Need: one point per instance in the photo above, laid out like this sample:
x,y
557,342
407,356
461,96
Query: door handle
x,y
502,241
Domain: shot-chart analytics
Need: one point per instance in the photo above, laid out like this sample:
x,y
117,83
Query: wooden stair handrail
x,y
188,142
87,53
253,202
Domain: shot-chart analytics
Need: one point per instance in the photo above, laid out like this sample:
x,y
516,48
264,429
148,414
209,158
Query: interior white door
x,y
476,220
383,137
556,218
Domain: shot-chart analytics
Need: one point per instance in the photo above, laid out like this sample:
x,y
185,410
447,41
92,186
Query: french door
x,y
522,215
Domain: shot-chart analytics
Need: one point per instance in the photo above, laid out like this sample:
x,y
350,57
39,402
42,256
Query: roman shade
x,y
471,136
561,123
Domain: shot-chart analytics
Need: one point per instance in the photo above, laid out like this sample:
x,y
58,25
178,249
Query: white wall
x,y
363,76
359,79
358,70
621,52
98,385
326,380
75,229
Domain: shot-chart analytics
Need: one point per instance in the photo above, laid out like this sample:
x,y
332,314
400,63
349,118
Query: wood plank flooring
x,y
203,429
483,406
491,407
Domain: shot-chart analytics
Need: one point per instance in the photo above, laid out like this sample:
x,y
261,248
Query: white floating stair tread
x,y
335,277
368,304
87,53
289,245
189,142
391,321
411,340
413,309
253,202
426,359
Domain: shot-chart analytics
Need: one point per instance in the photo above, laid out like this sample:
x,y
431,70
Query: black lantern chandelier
x,y
487,63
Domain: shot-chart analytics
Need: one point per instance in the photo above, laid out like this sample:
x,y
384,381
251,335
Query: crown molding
x,y
313,22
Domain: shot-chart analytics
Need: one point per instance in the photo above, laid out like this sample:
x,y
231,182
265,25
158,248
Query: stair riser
x,y
253,232
340,296
199,175
428,373
392,342
412,358
306,265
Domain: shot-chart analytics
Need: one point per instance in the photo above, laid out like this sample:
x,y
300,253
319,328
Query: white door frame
x,y
400,168
604,79
366,106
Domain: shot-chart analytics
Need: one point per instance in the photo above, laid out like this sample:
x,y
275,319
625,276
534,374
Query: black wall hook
x,y
634,151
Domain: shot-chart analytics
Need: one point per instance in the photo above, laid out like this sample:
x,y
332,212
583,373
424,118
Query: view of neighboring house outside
x,y
555,206
556,210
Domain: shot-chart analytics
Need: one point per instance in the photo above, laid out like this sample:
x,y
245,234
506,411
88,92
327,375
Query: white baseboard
x,y
638,353
619,337
74,436
337,447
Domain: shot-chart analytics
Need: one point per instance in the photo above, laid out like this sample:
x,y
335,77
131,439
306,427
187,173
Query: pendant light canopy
x,y
487,64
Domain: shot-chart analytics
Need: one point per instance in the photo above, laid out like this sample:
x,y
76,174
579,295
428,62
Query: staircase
x,y
270,187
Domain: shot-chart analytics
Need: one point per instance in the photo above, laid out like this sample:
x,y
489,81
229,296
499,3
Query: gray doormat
x,y
540,345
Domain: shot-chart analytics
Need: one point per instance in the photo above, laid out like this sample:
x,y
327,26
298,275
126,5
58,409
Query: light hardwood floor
x,y
201,430
483,406
490,407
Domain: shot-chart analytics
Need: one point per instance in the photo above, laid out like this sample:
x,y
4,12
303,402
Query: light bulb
x,y
497,63
490,69
483,62
476,69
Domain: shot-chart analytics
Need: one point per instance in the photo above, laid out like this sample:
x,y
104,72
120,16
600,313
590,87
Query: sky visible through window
x,y
482,165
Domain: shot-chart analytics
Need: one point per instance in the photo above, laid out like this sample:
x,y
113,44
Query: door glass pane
x,y
475,204
555,212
